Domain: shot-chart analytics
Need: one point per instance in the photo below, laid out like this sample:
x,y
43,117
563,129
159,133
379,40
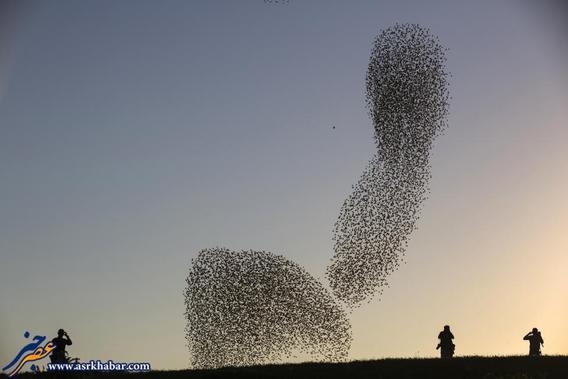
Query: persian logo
x,y
29,353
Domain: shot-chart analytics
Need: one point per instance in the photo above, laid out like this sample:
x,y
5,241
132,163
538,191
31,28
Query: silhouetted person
x,y
58,354
446,344
535,340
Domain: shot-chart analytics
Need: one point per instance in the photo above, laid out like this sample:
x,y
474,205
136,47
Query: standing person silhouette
x,y
446,344
535,340
58,353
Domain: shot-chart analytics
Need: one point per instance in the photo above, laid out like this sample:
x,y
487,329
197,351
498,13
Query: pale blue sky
x,y
135,133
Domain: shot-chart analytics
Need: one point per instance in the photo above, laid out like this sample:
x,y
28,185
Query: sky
x,y
135,133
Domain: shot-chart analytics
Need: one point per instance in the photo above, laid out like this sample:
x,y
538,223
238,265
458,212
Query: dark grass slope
x,y
547,367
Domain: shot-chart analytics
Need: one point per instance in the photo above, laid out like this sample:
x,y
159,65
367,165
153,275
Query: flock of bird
x,y
252,307
407,98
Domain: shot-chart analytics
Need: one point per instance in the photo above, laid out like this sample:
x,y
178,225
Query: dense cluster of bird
x,y
277,1
251,307
407,97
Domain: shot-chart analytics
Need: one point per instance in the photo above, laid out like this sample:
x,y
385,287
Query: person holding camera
x,y
535,340
58,355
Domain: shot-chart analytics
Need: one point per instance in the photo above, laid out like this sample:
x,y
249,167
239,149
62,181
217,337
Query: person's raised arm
x,y
69,342
527,337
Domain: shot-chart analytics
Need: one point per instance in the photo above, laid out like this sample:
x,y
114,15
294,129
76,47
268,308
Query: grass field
x,y
546,367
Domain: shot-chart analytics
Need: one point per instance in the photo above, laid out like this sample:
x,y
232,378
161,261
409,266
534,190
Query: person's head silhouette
x,y
535,330
446,328
60,333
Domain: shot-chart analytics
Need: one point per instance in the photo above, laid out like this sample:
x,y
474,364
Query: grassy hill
x,y
546,367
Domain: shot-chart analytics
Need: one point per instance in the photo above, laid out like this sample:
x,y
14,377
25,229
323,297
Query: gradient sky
x,y
135,133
